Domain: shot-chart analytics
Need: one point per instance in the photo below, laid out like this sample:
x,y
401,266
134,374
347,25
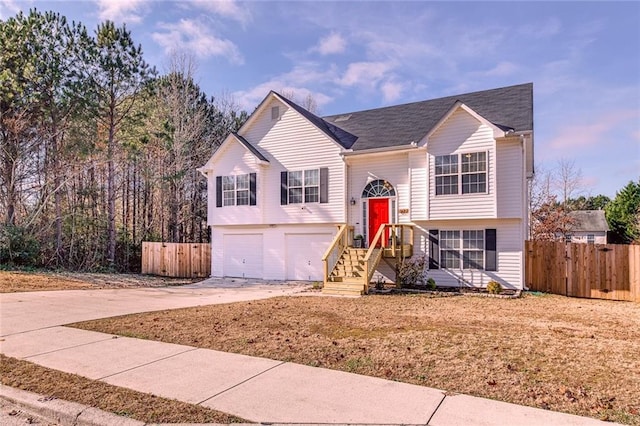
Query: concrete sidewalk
x,y
257,389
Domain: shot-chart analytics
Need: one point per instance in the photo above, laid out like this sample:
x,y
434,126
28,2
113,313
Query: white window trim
x,y
459,175
235,190
303,187
461,249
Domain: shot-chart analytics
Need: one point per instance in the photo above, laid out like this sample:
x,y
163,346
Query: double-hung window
x,y
228,191
236,190
242,190
304,186
462,249
474,172
472,249
450,249
461,173
446,174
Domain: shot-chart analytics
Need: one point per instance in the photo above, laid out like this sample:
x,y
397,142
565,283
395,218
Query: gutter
x,y
408,147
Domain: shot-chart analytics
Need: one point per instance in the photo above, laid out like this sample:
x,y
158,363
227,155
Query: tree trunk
x,y
111,189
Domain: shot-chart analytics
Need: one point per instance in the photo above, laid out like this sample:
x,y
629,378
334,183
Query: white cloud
x,y
193,36
365,73
129,11
392,90
597,130
298,81
331,44
225,8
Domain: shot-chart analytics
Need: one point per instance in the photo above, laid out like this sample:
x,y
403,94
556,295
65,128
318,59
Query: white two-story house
x,y
290,189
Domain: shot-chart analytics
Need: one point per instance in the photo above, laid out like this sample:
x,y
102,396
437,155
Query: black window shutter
x,y
252,189
490,263
324,185
284,187
434,249
218,191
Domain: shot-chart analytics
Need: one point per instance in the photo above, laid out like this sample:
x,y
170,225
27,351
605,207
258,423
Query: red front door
x,y
378,214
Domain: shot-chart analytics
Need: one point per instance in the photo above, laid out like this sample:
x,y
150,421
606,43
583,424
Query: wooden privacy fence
x,y
182,260
598,271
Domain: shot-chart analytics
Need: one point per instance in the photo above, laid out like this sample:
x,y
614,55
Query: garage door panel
x,y
243,255
304,256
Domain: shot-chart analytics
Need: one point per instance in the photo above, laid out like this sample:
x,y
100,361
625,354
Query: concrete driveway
x,y
257,389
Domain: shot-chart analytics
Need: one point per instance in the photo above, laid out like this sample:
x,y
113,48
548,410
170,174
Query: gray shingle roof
x,y
250,147
589,220
508,108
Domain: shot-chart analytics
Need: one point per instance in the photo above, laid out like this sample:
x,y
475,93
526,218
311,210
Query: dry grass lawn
x,y
572,355
11,282
125,402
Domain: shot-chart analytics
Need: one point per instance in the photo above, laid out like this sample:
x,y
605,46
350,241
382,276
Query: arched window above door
x,y
378,188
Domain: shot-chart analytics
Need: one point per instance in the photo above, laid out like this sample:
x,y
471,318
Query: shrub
x,y
494,287
431,284
412,271
18,246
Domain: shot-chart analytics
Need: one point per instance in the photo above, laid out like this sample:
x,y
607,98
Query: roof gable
x,y
340,136
234,137
336,134
497,131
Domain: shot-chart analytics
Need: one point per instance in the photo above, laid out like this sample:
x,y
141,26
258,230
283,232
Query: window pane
x,y
243,197
450,259
446,164
228,198
473,240
311,194
228,183
449,239
446,185
295,179
474,183
295,195
473,259
311,177
242,182
474,162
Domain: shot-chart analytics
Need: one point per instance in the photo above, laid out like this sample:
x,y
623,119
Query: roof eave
x,y
409,147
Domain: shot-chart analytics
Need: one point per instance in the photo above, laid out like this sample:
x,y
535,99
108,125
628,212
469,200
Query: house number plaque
x,y
403,211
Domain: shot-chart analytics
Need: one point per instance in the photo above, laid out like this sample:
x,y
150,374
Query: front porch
x,y
348,270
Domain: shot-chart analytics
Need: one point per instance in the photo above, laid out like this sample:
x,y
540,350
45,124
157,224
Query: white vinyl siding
x,y
236,161
461,133
394,168
509,253
511,191
292,143
418,185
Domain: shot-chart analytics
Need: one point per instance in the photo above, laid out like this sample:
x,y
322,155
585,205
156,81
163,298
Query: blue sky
x,y
583,58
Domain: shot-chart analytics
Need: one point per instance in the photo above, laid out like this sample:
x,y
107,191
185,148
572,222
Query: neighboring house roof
x,y
509,108
589,221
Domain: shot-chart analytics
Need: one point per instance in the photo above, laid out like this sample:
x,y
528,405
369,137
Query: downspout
x,y
525,205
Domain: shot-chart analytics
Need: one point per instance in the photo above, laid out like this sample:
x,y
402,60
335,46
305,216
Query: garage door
x,y
242,255
304,256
